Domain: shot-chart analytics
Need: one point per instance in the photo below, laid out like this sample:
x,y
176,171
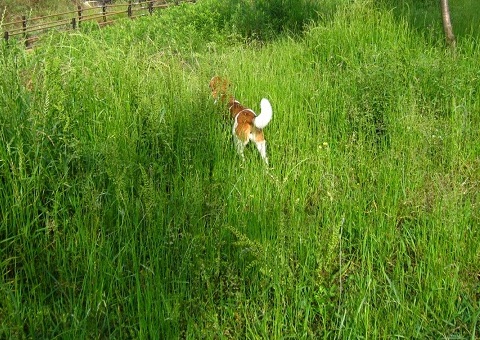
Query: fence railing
x,y
29,29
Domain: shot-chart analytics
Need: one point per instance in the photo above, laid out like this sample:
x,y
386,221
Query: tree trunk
x,y
447,24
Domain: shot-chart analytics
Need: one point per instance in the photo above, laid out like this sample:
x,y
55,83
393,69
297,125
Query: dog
x,y
247,126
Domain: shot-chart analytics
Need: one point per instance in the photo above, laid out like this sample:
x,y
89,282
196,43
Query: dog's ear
x,y
225,85
213,82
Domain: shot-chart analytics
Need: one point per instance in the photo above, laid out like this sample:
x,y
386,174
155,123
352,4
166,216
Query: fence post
x,y
150,6
6,35
104,11
74,23
79,9
129,9
24,26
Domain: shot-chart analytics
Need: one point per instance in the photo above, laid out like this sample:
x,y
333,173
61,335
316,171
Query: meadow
x,y
125,211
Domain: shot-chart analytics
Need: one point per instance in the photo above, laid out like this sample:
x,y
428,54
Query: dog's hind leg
x,y
240,145
262,148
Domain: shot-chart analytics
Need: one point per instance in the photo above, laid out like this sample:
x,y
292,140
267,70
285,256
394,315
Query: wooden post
x,y
24,25
104,11
74,23
79,9
6,35
129,9
150,7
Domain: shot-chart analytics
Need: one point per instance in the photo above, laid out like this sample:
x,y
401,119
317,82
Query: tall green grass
x,y
126,213
425,16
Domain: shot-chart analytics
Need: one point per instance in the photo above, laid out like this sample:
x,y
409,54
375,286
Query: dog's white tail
x,y
265,115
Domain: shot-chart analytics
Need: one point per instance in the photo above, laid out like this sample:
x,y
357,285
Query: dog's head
x,y
219,87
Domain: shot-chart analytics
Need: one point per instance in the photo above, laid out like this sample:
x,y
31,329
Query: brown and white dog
x,y
247,125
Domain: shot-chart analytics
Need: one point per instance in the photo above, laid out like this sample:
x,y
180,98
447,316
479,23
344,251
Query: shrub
x,y
263,19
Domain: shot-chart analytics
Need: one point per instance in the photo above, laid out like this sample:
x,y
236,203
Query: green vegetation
x,y
126,213
425,16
